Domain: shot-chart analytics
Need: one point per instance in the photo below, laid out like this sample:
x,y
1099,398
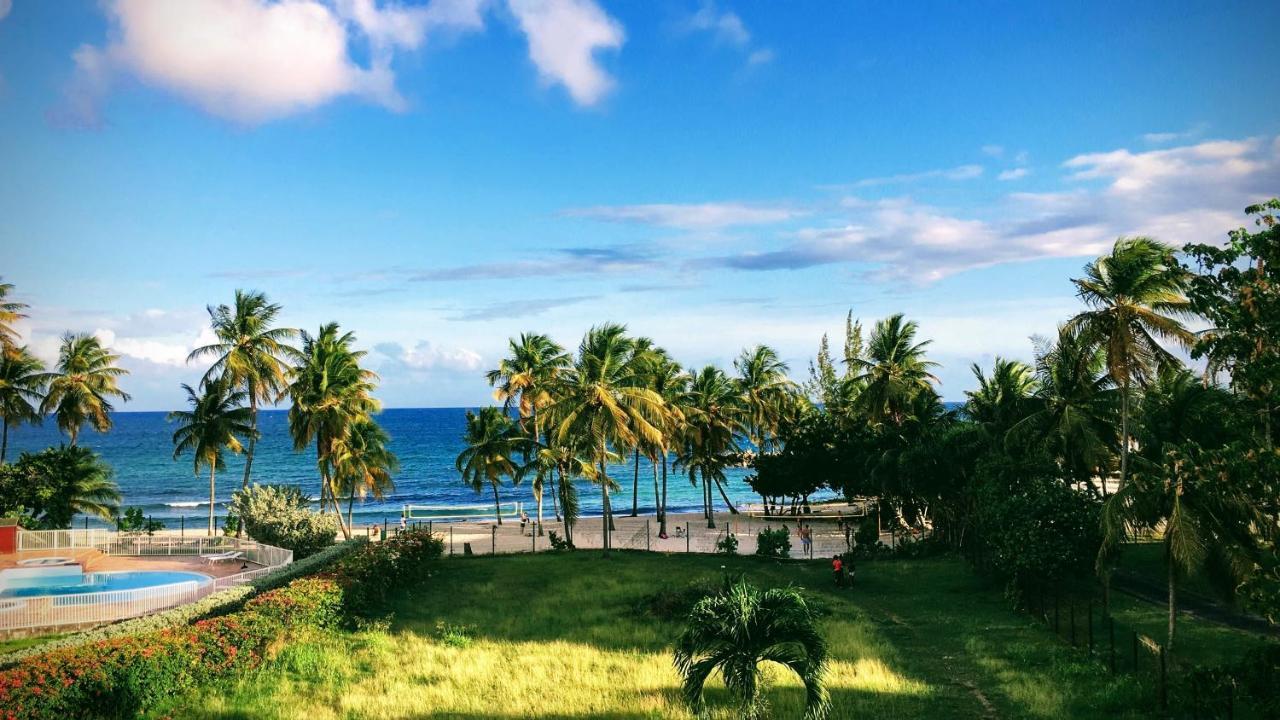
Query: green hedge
x,y
219,603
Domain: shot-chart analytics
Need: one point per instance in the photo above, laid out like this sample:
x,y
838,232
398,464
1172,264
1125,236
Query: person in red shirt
x,y
837,567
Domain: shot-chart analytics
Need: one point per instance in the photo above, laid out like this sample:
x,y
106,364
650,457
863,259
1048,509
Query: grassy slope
x,y
556,636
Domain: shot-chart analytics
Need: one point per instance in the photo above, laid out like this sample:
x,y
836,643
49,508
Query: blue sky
x,y
440,176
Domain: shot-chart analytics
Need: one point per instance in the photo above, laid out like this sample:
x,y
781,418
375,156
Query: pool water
x,y
78,583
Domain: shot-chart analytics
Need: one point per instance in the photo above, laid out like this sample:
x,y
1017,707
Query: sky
x,y
440,176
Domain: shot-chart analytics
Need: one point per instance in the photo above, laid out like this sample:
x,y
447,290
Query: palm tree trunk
x,y
4,442
1173,597
253,437
557,482
662,516
351,501
706,491
538,500
635,487
213,469
497,506
656,497
608,516
732,510
73,432
1124,434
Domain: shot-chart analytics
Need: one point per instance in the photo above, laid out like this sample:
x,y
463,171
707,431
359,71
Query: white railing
x,y
107,606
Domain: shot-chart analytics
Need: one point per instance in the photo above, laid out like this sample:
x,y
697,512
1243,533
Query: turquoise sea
x,y
427,441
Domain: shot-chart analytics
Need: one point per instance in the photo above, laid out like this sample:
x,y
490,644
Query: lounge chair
x,y
212,558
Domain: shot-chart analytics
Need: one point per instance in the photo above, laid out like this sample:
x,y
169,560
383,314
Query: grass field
x,y
559,636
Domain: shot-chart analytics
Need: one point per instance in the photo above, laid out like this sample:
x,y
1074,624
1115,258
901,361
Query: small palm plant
x,y
743,626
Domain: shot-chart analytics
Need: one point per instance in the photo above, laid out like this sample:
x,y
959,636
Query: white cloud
x,y
5,7
761,57
428,356
697,216
725,26
564,37
962,172
993,150
252,61
1220,161
1013,174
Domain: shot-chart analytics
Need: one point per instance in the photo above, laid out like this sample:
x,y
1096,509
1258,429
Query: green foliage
x,y
775,542
727,544
82,384
369,575
134,520
675,602
736,630
453,635
867,535
558,544
281,515
51,486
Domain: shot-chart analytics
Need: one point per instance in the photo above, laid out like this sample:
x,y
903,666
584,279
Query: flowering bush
x,y
122,676
370,574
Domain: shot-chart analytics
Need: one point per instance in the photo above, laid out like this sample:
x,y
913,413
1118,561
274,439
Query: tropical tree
x,y
330,393
251,354
604,401
1002,399
767,393
1135,299
737,630
493,444
565,461
671,383
216,422
713,419
362,462
526,379
53,485
10,313
892,371
22,380
80,387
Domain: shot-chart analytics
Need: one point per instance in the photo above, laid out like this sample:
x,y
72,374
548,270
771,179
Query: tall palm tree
x,y
10,313
645,355
493,444
1002,399
892,371
362,462
526,379
603,401
80,387
568,459
22,381
666,378
330,393
216,422
1073,410
1135,295
738,629
250,353
766,389
713,420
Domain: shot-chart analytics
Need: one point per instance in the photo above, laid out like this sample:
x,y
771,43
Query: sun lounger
x,y
212,558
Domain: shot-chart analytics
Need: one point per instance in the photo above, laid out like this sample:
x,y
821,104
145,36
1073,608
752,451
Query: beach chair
x,y
213,558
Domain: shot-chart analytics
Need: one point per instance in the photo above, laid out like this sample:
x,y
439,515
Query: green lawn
x,y
558,636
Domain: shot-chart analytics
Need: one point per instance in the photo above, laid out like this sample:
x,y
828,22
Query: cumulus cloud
x,y
1179,195
426,355
1013,174
564,38
727,28
693,216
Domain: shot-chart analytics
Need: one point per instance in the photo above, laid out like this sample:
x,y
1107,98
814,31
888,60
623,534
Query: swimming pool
x,y
80,583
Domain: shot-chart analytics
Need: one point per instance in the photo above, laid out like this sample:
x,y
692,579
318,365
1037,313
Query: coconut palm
x,y
565,461
362,462
713,419
22,381
216,422
737,630
1135,299
1002,399
526,379
767,393
666,378
603,400
645,355
250,353
10,313
330,393
892,371
80,388
493,446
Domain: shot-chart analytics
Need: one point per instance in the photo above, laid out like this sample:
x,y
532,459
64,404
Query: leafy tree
x,y
215,423
824,384
493,443
82,384
22,381
713,420
743,626
281,515
1003,399
134,520
1135,299
250,354
767,394
55,484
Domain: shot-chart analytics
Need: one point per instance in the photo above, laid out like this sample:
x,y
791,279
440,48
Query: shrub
x,y
558,543
675,603
727,544
867,535
773,543
458,636
134,521
281,515
369,575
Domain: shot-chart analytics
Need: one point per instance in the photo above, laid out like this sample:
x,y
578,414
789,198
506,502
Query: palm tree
x,y
526,379
78,390
766,389
666,378
713,420
250,353
1135,297
22,381
645,355
217,421
493,441
330,394
892,371
738,629
1001,400
10,313
569,459
70,480
603,401
362,463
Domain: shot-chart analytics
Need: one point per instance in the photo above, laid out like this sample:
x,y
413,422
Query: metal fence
x,y
91,608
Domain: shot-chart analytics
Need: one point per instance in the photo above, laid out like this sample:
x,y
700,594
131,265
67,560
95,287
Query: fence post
x,y
493,539
451,540
1111,634
646,535
686,537
384,527
533,541
182,526
1164,688
429,528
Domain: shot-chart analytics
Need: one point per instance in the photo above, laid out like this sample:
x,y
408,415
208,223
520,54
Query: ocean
x,y
427,440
